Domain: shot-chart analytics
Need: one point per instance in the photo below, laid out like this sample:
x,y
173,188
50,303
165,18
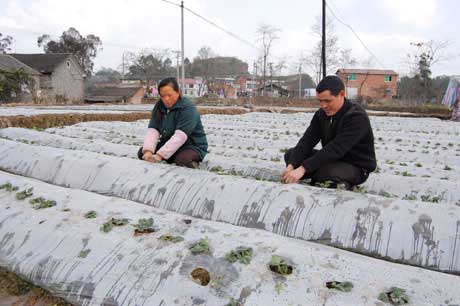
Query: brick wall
x,y
372,85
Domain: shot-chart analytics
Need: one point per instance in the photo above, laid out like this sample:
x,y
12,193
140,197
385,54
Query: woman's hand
x,y
157,158
152,158
148,156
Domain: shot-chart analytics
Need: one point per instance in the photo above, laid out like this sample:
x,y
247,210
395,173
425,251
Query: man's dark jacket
x,y
346,136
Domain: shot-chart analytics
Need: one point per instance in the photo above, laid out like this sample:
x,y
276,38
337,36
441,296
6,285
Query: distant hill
x,y
219,66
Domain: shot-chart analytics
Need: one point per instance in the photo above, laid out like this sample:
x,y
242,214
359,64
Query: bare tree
x,y
281,65
313,58
266,34
368,63
419,86
205,52
346,59
432,51
201,66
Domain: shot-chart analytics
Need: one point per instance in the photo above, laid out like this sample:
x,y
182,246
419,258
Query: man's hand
x,y
293,176
288,169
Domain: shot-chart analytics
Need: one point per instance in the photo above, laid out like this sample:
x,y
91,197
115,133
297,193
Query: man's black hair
x,y
332,83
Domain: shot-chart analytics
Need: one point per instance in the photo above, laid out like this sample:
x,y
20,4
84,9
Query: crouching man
x,y
347,155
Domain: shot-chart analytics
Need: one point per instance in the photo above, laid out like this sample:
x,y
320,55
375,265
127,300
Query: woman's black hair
x,y
169,82
166,82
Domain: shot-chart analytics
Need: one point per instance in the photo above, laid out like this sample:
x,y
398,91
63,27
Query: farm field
x,y
406,216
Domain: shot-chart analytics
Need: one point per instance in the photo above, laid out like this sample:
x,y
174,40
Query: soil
x,y
45,121
15,291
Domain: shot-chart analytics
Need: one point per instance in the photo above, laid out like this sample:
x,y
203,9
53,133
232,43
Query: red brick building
x,y
372,83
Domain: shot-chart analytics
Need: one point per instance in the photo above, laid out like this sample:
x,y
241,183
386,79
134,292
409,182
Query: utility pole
x,y
257,79
182,44
323,55
254,79
263,81
300,81
271,77
123,66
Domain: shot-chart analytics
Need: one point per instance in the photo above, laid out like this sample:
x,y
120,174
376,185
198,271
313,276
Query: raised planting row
x,y
146,254
266,136
411,181
410,232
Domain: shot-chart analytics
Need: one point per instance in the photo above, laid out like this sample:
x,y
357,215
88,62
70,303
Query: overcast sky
x,y
387,27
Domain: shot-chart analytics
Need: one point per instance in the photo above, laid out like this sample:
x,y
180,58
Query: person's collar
x,y
345,107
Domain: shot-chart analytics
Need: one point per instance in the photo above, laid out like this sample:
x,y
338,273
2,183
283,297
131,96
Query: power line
x,y
356,35
215,25
170,2
224,30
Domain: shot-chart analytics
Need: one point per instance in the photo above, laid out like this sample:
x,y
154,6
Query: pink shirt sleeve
x,y
151,140
173,144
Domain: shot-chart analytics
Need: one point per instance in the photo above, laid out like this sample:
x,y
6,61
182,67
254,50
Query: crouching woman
x,y
175,132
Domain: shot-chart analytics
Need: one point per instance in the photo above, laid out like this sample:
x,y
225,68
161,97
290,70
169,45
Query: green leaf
x,y
280,266
384,297
108,226
9,187
119,222
174,239
144,224
201,246
341,286
276,260
40,203
241,254
233,303
84,253
25,194
396,296
91,214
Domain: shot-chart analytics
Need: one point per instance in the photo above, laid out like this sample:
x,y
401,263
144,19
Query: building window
x,y
388,78
351,77
190,86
